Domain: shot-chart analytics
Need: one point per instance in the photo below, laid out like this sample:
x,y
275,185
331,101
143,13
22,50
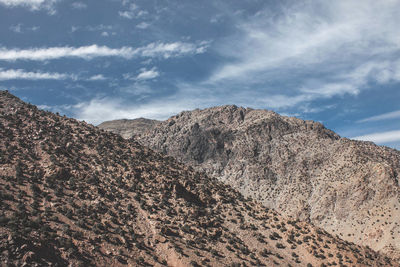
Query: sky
x,y
336,62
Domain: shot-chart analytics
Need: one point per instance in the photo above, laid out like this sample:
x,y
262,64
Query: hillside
x,y
72,194
299,168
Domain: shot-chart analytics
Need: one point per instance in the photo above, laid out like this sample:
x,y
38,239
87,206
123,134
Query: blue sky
x,y
337,62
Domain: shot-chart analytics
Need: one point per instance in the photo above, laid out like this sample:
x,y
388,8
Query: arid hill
x,y
297,167
72,194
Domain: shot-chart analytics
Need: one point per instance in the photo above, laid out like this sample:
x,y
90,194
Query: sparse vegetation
x,y
87,197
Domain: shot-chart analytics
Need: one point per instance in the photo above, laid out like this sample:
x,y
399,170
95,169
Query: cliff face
x,y
297,167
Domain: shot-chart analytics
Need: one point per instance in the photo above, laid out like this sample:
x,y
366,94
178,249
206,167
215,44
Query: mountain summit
x,y
300,168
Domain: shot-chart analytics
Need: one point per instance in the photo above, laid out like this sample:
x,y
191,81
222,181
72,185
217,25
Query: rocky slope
x,y
73,195
297,167
128,128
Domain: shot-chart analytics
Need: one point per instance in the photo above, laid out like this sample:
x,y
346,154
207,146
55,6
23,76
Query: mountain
x,y
74,195
300,168
128,128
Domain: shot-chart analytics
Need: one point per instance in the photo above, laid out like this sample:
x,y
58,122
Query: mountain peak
x,y
297,167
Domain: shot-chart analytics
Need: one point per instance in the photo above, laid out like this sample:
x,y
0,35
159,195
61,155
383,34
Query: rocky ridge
x,y
74,195
300,168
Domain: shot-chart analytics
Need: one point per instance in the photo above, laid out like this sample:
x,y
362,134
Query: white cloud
x,y
132,14
143,25
98,77
127,2
330,89
16,28
302,36
165,50
20,74
99,110
330,47
100,27
386,116
133,11
74,29
381,137
126,14
186,97
104,34
33,5
45,107
147,74
128,76
20,29
86,52
79,5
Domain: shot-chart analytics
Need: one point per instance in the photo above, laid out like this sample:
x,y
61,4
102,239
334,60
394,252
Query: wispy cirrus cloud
x,y
98,77
132,11
163,50
386,116
85,52
167,50
19,74
18,28
33,5
380,137
329,48
143,25
79,5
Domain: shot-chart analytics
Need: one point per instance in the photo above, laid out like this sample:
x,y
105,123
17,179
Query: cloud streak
x,y
79,5
20,74
133,11
33,5
300,36
329,48
162,50
98,77
381,137
386,116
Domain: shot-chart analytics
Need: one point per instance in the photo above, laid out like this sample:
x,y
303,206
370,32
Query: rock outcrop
x,y
300,168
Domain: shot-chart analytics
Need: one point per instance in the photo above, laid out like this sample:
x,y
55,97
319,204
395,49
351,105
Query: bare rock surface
x,y
128,128
300,168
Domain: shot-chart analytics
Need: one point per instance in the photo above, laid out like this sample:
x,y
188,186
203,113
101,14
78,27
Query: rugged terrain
x,y
72,194
299,168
